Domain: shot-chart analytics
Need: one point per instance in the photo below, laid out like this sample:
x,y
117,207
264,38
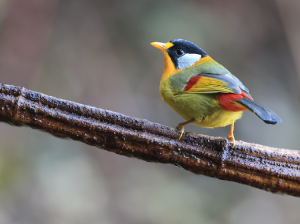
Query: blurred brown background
x,y
99,53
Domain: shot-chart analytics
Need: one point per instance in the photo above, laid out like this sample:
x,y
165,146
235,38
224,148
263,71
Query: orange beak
x,y
160,46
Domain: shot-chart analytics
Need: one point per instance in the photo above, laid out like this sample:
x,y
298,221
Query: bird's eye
x,y
179,52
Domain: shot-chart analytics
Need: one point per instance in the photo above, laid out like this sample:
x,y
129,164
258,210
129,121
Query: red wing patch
x,y
192,82
227,101
245,95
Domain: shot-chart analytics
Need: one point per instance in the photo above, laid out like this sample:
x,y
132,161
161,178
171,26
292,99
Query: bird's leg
x,y
180,126
230,136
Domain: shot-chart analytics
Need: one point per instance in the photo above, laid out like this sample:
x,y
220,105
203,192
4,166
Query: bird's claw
x,y
231,139
181,129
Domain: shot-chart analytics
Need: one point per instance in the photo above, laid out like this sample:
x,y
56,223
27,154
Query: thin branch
x,y
271,169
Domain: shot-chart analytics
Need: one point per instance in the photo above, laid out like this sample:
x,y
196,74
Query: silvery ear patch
x,y
187,60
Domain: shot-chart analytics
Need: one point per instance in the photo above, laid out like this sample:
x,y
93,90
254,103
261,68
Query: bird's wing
x,y
214,83
242,87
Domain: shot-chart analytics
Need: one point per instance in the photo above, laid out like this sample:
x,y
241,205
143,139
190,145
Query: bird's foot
x,y
181,129
180,126
231,139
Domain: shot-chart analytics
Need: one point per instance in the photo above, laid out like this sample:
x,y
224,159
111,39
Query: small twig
x,y
271,169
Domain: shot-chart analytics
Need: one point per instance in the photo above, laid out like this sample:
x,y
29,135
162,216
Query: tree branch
x,y
271,169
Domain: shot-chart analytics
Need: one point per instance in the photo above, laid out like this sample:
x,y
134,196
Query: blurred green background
x,y
99,53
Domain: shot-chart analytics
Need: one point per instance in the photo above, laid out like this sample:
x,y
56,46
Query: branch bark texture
x,y
271,169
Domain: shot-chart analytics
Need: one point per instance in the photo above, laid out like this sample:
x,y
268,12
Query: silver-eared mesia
x,y
204,92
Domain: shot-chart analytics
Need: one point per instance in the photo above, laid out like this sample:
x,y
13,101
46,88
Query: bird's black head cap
x,y
181,47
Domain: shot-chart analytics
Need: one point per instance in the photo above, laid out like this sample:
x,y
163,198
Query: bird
x,y
204,92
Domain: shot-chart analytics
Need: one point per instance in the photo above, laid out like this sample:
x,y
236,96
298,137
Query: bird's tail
x,y
261,111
